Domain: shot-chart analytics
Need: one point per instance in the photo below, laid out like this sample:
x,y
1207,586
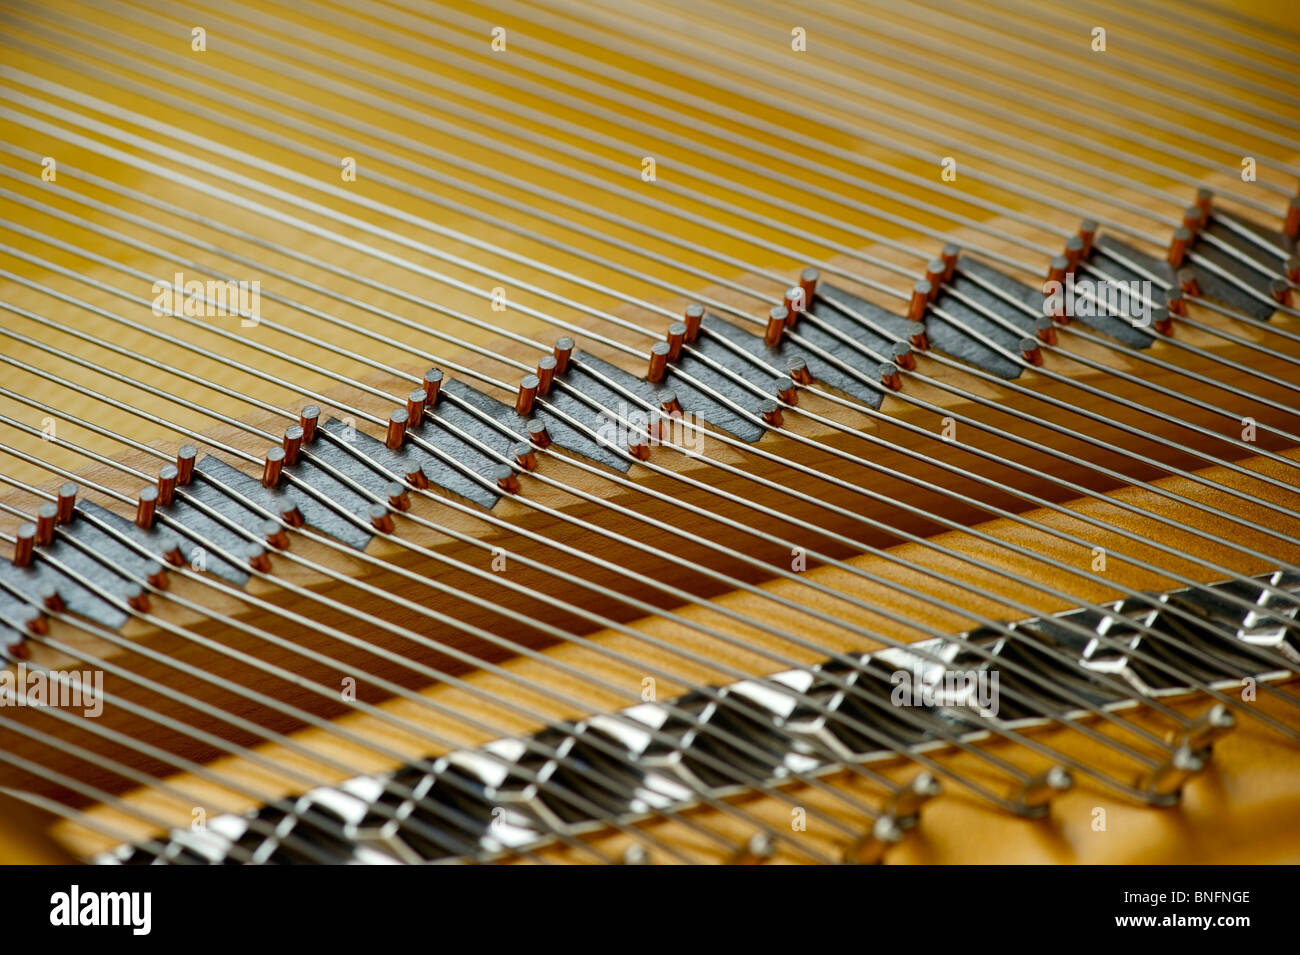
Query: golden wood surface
x,y
1244,809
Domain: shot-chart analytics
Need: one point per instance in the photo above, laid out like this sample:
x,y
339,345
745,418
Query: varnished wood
x,y
1243,809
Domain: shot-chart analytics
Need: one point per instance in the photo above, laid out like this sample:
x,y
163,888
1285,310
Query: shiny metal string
x,y
320,723
687,597
353,276
1177,74
155,784
450,398
1154,46
1219,31
786,690
963,53
515,647
613,38
574,329
645,608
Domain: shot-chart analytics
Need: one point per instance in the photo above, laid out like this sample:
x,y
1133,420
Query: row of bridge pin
x,y
1195,219
419,400
797,298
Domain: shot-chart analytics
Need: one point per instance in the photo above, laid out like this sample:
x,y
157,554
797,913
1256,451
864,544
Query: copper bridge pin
x,y
799,372
46,517
290,513
37,623
1178,246
693,317
950,253
639,447
1205,202
185,458
935,270
19,650
771,412
432,386
1280,289
292,444
156,574
808,282
417,479
525,455
777,316
308,419
136,598
506,478
1029,348
51,599
546,366
1073,253
1057,268
1087,235
1045,327
67,502
170,548
786,391
1291,224
1161,320
397,419
920,298
526,396
903,356
144,507
24,545
538,434
381,518
167,475
793,302
676,340
658,362
275,534
30,620
272,464
1176,302
415,407
258,558
399,499
562,352
916,314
